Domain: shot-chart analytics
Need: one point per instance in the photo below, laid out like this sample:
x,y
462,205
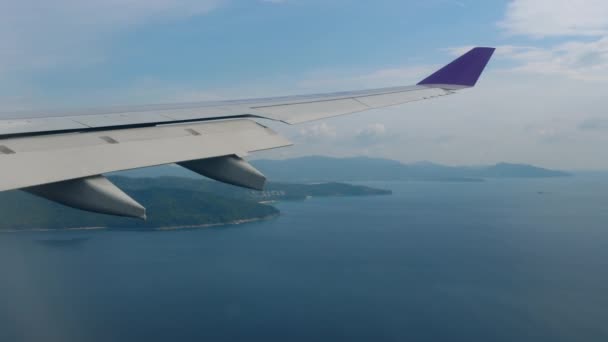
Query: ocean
x,y
501,260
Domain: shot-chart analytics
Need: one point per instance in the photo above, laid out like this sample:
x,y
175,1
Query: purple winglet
x,y
464,70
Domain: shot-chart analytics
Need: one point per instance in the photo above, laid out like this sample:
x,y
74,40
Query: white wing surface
x,y
63,157
290,110
54,158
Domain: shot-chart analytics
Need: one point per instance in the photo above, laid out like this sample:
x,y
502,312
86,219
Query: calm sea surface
x,y
523,260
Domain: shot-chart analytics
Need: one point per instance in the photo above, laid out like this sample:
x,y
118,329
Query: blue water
x,y
519,260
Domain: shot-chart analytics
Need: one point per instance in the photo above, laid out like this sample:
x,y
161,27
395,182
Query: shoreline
x,y
211,225
44,230
154,229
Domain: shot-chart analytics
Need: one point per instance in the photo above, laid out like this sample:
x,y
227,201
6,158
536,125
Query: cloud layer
x,y
542,100
549,18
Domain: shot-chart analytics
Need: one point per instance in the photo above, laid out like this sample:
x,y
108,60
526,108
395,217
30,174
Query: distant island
x,y
177,198
327,169
172,203
318,168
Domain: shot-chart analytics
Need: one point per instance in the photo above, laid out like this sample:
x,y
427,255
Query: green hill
x,y
171,202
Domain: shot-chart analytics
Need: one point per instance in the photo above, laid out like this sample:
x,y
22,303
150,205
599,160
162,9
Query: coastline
x,y
155,229
44,230
210,225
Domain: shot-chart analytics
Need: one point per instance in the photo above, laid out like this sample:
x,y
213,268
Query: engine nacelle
x,y
95,194
228,169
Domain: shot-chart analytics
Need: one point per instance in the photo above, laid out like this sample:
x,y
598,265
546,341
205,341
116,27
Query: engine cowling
x,y
230,169
95,194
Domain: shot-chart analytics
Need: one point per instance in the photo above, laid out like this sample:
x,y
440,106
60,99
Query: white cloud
x,y
371,133
545,18
317,132
582,60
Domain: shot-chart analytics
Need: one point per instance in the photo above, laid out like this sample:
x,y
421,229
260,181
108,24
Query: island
x,y
172,203
177,198
329,169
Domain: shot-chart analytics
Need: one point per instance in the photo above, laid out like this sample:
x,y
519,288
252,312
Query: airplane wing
x,y
62,158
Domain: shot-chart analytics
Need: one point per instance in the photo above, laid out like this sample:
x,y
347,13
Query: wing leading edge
x,y
461,73
52,155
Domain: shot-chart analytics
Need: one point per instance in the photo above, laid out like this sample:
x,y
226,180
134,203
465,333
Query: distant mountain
x,y
520,171
327,169
369,169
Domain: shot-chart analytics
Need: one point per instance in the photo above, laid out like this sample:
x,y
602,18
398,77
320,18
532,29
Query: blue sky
x,y
247,42
541,101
